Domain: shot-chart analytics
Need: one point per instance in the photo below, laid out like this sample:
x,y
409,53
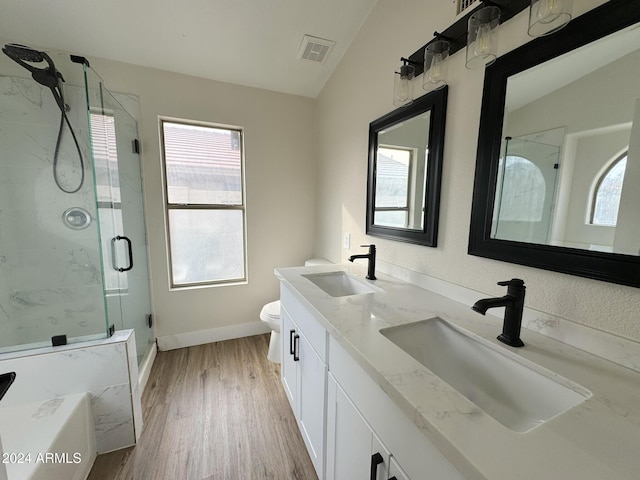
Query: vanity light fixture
x,y
436,55
548,16
477,31
403,85
482,41
456,33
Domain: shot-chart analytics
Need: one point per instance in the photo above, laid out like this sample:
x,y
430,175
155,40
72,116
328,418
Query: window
x,y
205,206
392,186
606,198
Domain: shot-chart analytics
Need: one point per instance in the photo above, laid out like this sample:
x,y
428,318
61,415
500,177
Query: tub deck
x,y
48,440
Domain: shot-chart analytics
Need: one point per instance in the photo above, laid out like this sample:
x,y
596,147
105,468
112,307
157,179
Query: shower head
x,y
21,54
50,77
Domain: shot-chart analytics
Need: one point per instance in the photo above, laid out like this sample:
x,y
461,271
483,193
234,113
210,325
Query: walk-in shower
x,y
68,241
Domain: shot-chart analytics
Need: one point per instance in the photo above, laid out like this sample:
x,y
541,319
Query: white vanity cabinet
x,y
351,428
395,472
288,365
353,449
304,373
362,421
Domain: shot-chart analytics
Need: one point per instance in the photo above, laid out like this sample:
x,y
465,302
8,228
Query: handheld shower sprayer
x,y
51,78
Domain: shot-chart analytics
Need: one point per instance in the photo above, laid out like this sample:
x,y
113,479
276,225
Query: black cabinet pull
x,y
394,478
291,350
296,344
376,459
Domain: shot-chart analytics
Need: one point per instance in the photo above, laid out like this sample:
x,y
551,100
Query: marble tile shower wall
x,y
50,280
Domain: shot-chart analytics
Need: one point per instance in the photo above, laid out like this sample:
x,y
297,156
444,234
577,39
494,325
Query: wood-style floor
x,y
213,412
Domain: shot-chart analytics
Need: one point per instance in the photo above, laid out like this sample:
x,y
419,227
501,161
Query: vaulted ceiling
x,y
247,42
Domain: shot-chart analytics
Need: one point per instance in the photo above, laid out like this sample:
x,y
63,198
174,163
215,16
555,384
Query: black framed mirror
x,y
405,171
557,180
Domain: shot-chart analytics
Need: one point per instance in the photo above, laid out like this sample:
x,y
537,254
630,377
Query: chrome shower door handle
x,y
114,260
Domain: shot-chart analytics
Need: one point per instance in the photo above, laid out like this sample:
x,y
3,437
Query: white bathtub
x,y
48,440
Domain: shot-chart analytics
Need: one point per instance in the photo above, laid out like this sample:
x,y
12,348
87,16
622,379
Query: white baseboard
x,y
144,370
200,337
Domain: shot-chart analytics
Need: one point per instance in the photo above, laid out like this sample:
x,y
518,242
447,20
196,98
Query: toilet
x,y
270,314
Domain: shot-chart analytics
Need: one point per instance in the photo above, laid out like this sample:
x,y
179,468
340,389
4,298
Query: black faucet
x,y
513,302
371,270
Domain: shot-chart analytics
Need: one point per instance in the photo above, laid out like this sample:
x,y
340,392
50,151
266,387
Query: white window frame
x,y
186,206
410,171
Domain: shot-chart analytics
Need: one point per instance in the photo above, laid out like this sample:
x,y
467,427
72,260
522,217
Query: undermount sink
x,y
517,393
340,284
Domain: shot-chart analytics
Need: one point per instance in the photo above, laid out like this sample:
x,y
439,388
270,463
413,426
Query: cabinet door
x,y
350,441
312,380
380,456
395,472
288,365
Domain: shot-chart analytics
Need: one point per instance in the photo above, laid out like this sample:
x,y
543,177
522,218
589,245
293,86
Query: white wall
x,y
279,151
614,83
360,91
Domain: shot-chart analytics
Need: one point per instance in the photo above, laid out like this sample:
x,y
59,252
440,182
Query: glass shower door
x,y
114,133
525,199
50,266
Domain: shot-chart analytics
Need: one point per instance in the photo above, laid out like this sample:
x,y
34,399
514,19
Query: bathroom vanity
x,y
368,406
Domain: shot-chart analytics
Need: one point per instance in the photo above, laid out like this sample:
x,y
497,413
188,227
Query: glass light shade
x,y
403,86
548,16
482,42
436,55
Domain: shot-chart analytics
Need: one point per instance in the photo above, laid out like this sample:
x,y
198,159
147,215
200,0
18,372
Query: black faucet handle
x,y
372,248
514,282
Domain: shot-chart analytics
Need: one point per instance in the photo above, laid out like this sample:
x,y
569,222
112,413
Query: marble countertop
x,y
597,439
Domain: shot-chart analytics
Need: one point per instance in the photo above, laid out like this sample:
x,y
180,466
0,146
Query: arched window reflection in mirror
x,y
606,198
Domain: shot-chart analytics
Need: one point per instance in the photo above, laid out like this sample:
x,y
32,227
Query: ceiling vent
x,y
314,49
463,5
